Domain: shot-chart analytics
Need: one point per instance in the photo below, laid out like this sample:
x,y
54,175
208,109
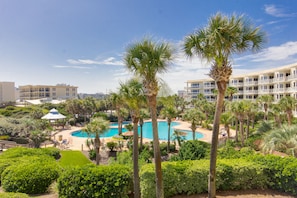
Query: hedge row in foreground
x,y
95,181
28,170
191,177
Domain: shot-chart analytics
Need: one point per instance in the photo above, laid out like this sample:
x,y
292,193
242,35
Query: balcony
x,y
251,83
267,81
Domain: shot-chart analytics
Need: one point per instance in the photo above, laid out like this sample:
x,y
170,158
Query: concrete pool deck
x,y
79,143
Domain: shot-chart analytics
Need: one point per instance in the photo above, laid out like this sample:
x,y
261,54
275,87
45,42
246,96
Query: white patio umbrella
x,y
53,115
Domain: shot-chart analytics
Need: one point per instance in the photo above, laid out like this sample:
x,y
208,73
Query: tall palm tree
x,y
265,100
117,102
146,59
134,97
288,104
195,117
169,112
222,37
143,114
97,126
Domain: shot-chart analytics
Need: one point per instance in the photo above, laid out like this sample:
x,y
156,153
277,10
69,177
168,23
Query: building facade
x,y
7,92
277,82
57,92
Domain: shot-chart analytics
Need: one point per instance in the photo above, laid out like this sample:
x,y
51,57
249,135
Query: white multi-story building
x,y
59,91
7,92
277,82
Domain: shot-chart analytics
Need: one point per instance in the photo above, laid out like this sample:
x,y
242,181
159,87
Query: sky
x,y
82,42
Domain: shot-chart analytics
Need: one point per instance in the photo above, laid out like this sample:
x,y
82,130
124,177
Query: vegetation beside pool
x,y
73,158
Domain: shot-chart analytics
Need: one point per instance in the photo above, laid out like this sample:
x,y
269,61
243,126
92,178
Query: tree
x,y
217,42
226,119
230,91
288,103
146,59
143,114
97,127
195,117
281,139
265,101
134,97
117,102
169,112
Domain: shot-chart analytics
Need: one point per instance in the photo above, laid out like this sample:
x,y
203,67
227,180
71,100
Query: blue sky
x,y
82,42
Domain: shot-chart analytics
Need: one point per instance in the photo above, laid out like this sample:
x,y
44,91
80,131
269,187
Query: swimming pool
x,y
147,131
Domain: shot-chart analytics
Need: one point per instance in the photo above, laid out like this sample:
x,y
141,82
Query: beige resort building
x,y
277,82
7,92
59,91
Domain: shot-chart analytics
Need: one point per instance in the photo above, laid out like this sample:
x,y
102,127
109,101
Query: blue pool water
x,y
147,131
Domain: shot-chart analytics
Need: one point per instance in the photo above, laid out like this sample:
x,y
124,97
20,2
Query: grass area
x,y
73,158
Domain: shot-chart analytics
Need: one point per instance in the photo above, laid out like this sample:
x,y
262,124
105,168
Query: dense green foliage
x,y
282,172
190,177
192,150
92,181
30,177
73,158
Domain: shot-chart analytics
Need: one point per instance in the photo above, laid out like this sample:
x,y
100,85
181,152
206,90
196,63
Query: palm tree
x,y
117,103
230,91
195,117
146,59
169,112
97,126
226,119
281,139
222,37
265,101
288,103
143,114
276,111
134,97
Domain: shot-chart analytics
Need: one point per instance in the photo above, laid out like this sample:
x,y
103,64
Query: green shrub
x,y
282,172
92,154
192,150
191,177
95,181
13,195
4,137
22,151
30,177
111,145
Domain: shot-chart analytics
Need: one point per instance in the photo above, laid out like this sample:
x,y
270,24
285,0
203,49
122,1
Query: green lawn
x,y
73,158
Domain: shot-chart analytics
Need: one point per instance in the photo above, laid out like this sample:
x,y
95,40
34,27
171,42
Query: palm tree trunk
x,y
214,142
157,154
141,136
97,148
168,142
135,159
241,132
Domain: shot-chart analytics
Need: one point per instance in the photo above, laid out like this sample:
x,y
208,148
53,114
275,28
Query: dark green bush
x,y
13,195
95,181
111,145
192,150
92,154
30,177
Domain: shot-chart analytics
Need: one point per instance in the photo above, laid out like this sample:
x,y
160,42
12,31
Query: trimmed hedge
x,y
22,151
191,177
282,172
13,195
95,181
31,177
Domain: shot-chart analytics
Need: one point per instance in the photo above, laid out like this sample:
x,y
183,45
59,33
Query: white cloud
x,y
72,67
107,61
274,53
277,11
